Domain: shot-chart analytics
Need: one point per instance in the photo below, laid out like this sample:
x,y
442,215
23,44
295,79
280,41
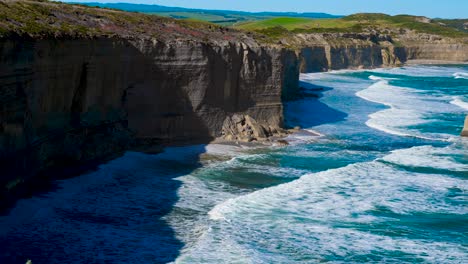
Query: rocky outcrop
x,y
246,129
464,132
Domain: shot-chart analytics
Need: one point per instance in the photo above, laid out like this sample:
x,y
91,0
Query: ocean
x,y
387,181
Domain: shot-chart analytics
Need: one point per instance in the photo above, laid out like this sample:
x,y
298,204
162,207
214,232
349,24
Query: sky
x,y
430,8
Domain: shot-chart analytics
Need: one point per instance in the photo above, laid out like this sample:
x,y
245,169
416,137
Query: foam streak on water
x,y
459,102
407,108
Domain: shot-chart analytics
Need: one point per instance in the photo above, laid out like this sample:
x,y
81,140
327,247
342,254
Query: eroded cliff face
x,y
79,84
72,101
324,52
433,47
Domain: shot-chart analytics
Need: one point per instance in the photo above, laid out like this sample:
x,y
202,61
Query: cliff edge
x,y
80,84
365,40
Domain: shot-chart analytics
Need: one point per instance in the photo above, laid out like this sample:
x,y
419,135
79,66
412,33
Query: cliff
x,y
80,84
323,52
335,51
364,40
70,98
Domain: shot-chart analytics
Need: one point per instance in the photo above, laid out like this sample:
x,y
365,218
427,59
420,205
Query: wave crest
x,y
460,75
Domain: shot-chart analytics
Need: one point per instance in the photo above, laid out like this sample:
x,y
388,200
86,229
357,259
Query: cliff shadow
x,y
115,212
308,111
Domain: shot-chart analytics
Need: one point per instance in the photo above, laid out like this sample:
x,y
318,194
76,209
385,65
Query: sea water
x,y
385,182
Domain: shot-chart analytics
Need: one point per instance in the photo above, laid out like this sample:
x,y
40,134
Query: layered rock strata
x,y
324,52
72,101
79,85
120,80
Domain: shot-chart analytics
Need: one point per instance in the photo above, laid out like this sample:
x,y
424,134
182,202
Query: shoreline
x,y
27,188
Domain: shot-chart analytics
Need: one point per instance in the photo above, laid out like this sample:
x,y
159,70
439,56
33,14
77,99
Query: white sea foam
x,y
407,108
337,213
457,100
375,78
205,187
344,191
461,75
394,119
301,215
428,157
420,71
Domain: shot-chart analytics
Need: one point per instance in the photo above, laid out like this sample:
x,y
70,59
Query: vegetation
x,y
354,23
219,17
40,18
291,23
459,24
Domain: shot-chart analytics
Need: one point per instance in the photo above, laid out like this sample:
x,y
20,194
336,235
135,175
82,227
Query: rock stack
x,y
464,132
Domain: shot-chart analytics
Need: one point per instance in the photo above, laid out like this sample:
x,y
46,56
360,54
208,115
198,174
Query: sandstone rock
x,y
272,130
282,142
257,130
243,128
464,132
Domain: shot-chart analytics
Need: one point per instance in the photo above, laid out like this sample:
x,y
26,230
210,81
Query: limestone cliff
x,y
323,52
432,47
69,99
65,101
80,84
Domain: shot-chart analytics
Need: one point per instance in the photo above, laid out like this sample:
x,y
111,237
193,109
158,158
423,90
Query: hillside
x,y
460,24
356,23
220,17
43,19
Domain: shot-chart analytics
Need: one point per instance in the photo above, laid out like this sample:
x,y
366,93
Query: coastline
x,y
28,188
185,199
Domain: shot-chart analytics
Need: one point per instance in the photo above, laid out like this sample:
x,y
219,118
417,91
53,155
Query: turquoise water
x,y
386,182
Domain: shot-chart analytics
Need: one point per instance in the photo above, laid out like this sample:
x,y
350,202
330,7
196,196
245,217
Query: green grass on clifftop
x,y
44,18
354,23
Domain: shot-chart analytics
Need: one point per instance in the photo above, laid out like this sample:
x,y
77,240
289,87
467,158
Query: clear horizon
x,y
433,9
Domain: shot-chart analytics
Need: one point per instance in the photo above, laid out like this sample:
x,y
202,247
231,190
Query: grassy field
x,y
219,17
353,23
291,23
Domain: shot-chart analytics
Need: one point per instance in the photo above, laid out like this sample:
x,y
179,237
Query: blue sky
x,y
430,8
